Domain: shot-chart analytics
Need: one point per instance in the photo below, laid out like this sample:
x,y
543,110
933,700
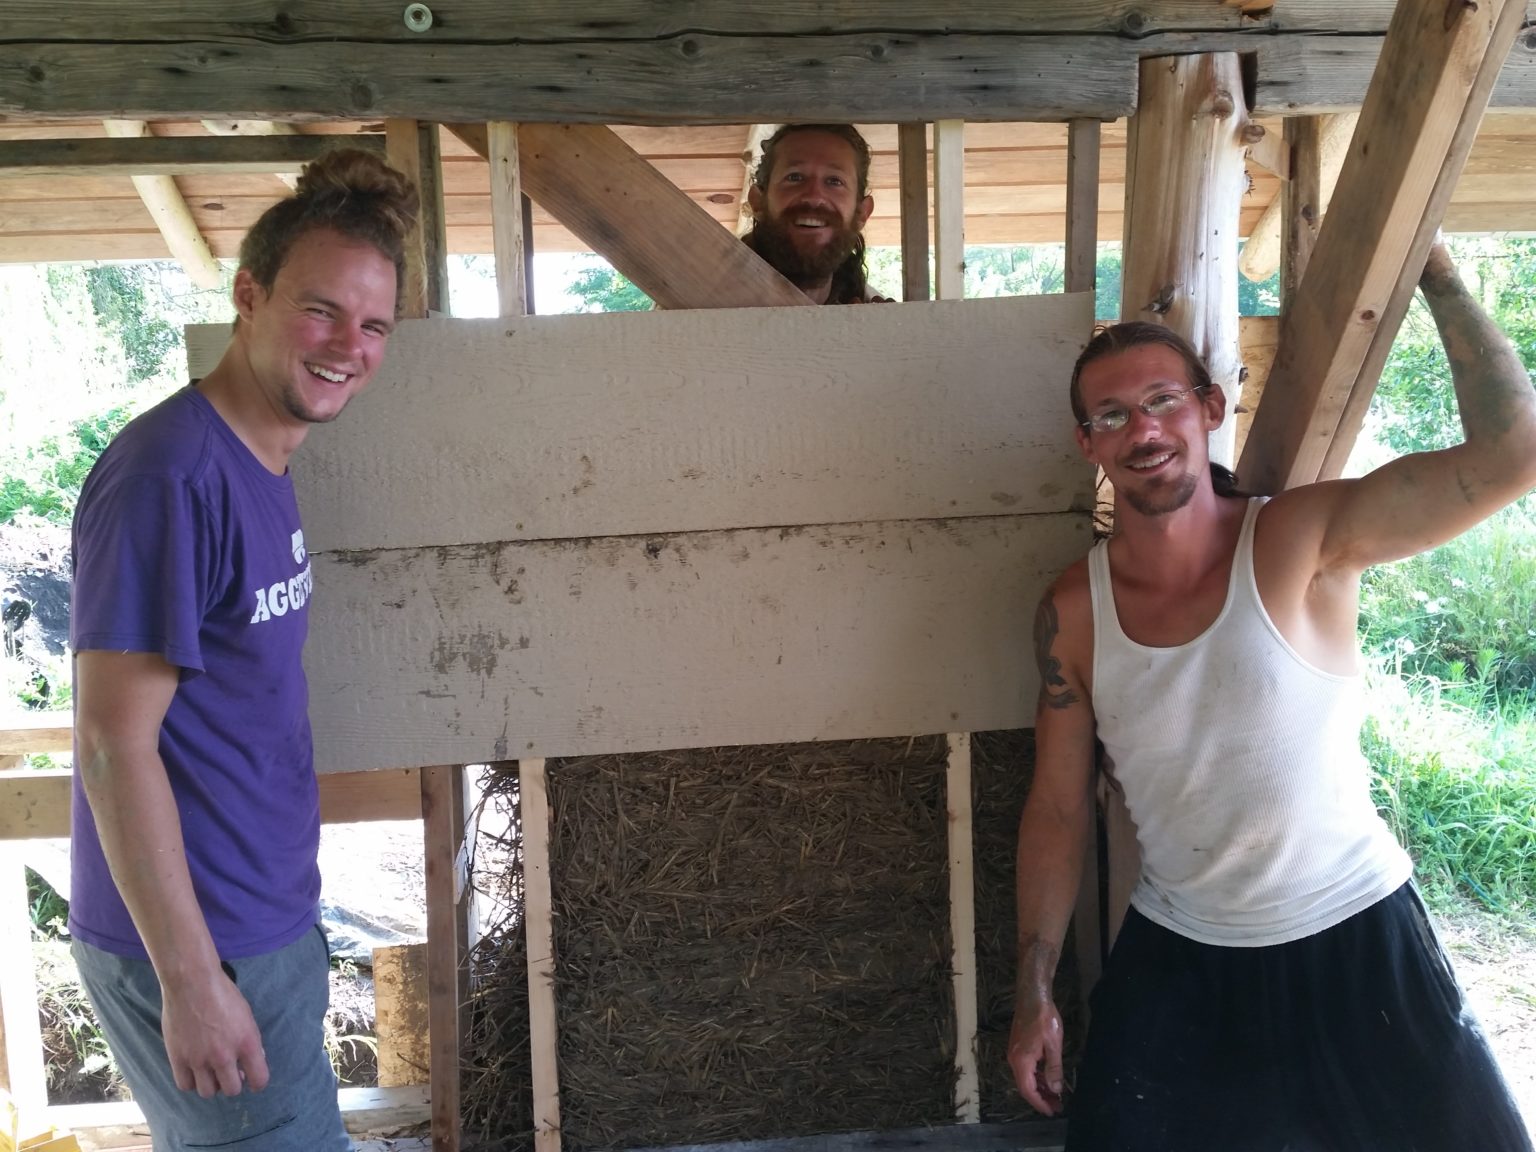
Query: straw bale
x,y
1002,765
752,942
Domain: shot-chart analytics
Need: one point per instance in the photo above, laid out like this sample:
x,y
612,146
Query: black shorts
x,y
1356,1039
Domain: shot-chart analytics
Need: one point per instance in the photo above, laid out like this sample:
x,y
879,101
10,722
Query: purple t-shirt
x,y
185,545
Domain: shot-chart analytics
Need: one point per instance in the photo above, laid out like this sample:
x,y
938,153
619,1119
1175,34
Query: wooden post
x,y
412,147
446,861
538,920
507,220
912,145
949,209
1301,201
1314,148
962,927
401,1015
1184,186
1081,276
21,1037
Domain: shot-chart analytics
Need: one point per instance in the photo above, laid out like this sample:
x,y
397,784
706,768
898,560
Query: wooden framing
x,y
538,920
171,155
913,159
949,209
1301,203
170,213
507,231
972,60
1416,125
1315,148
962,926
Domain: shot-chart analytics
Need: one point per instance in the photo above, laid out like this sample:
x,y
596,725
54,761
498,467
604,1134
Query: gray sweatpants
x,y
289,992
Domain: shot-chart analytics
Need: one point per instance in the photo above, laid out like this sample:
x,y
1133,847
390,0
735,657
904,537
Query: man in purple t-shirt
x,y
196,818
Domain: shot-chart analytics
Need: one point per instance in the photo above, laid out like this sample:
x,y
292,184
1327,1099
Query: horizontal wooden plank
x,y
35,805
1028,1136
565,648
871,73
30,733
120,1124
577,426
172,156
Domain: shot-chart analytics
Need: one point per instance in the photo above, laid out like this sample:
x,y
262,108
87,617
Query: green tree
x,y
602,289
119,297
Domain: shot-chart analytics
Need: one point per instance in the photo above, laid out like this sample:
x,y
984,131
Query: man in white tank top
x,y
1276,984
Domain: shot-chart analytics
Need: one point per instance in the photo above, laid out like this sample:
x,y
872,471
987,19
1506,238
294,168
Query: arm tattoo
x,y
1054,690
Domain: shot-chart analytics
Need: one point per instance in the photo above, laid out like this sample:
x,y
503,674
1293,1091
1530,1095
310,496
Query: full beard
x,y
775,243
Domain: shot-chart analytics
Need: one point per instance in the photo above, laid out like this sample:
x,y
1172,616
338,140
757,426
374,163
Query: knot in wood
x,y
1454,10
1252,132
690,47
1368,315
1222,105
1162,303
1133,23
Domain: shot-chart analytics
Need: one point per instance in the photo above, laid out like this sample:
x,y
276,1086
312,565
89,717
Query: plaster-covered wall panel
x,y
578,426
486,652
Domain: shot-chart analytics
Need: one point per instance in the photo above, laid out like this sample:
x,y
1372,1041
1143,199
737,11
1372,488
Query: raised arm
x,y
1423,500
121,699
1053,832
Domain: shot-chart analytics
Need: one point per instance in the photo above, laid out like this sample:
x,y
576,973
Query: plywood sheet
x,y
567,648
579,426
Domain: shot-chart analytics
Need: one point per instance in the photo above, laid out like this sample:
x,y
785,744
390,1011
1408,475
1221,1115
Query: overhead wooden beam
x,y
255,128
912,144
1301,204
172,155
639,63
638,220
169,210
1418,120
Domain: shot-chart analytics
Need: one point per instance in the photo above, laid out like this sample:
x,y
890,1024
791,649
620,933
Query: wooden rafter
x,y
912,146
255,128
1414,132
1261,255
639,221
172,155
171,215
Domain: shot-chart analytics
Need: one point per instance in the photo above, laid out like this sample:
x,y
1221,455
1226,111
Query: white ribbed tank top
x,y
1242,768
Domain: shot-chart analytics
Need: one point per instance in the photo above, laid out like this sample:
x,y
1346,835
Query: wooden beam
x,y
1352,418
1081,276
31,733
172,155
1185,179
170,213
1259,336
507,219
638,220
443,819
256,128
1410,129
962,927
539,924
400,1015
912,147
1323,146
1301,209
120,1124
34,805
412,147
21,1039
628,64
949,209
1026,1136
750,155
1269,151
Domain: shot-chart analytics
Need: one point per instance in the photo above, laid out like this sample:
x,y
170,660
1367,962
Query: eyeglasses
x,y
1162,404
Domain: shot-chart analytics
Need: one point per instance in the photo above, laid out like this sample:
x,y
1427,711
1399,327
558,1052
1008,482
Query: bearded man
x,y
810,199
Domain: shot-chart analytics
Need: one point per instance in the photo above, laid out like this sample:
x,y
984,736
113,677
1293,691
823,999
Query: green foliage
x,y
602,289
1454,783
118,295
45,482
46,909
